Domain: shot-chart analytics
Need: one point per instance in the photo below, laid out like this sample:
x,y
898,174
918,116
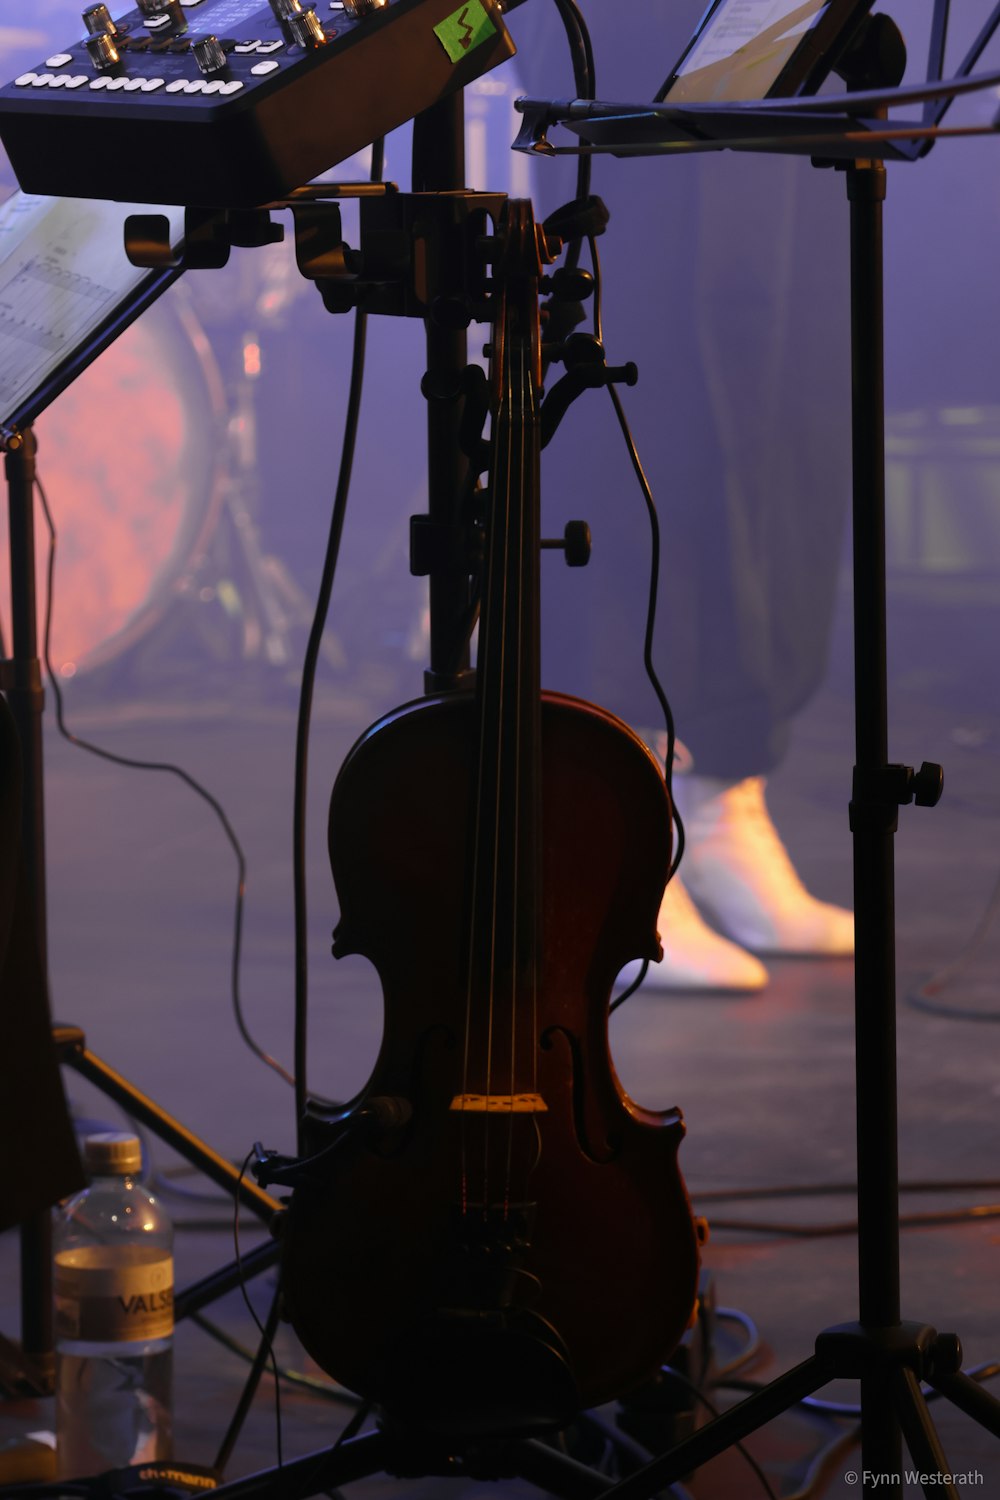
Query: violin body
x,y
521,1245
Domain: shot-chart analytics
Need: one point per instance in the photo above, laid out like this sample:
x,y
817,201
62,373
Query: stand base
x,y
895,1360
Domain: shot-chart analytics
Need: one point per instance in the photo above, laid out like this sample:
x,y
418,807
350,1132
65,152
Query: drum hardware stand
x,y
270,601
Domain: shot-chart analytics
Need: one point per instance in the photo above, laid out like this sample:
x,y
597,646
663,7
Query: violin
x,y
509,1240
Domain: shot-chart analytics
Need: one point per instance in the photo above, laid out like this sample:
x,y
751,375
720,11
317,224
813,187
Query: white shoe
x,y
695,957
739,872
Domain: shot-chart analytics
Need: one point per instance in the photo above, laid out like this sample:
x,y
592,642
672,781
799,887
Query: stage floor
x,y
141,893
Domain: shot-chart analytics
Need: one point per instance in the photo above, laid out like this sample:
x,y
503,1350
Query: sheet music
x,y
63,271
744,46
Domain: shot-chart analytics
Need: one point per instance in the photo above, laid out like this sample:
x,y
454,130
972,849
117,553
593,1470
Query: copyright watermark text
x,y
868,1480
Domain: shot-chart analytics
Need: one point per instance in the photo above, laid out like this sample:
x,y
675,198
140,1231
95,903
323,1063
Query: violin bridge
x,y
499,1104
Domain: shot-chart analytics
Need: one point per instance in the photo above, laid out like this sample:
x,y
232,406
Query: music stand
x,y
67,291
889,1356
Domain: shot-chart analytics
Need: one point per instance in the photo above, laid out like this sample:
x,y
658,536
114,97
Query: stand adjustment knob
x,y
209,54
928,784
98,22
103,52
575,544
306,28
284,10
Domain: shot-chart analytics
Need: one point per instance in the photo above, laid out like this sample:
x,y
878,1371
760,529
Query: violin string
x,y
499,566
520,415
535,543
483,668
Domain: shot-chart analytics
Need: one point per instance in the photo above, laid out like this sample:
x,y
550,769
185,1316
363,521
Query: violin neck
x,y
507,879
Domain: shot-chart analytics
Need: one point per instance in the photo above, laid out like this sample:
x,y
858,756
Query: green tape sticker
x,y
464,29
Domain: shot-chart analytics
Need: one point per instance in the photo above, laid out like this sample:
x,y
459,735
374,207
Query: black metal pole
x,y
874,816
439,167
26,698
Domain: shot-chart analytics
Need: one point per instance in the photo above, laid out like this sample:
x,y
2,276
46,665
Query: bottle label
x,y
105,1294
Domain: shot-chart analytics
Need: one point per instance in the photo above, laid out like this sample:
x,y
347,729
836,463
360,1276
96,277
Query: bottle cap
x,y
113,1153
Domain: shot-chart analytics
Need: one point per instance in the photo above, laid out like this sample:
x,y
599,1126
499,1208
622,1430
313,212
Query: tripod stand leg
x,y
965,1393
215,1167
313,1474
921,1438
716,1436
881,1438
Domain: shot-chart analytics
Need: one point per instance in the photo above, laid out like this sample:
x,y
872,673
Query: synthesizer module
x,y
233,103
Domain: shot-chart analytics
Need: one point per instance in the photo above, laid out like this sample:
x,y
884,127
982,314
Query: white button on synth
x,y
214,86
150,85
195,86
156,23
59,81
246,46
132,85
177,86
259,69
77,81
59,60
116,84
269,46
42,80
99,83
232,87
25,80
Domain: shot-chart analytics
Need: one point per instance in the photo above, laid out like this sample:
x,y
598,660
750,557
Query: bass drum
x,y
130,457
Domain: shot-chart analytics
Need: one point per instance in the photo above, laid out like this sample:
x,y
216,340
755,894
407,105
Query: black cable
x,y
585,83
636,984
832,1230
257,1364
352,1428
654,584
266,1349
849,1189
710,1407
174,770
617,1443
818,1471
309,666
922,998
751,1349
846,1189
310,1383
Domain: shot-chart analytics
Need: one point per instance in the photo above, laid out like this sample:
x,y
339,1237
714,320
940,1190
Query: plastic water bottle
x,y
114,1316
